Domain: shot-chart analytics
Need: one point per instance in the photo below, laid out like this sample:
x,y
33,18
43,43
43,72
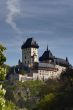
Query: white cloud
x,y
13,8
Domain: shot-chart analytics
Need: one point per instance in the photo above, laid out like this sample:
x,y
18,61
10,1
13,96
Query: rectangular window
x,y
28,62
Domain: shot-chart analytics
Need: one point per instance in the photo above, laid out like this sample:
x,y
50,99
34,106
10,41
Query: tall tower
x,y
29,52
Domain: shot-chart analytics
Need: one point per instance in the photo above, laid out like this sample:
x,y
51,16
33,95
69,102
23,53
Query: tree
x,y
57,94
2,100
2,60
67,76
4,104
2,76
2,57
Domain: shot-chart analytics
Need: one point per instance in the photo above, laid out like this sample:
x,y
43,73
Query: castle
x,y
42,68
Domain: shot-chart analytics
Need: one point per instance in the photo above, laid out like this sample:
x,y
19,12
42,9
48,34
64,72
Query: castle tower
x,y
29,52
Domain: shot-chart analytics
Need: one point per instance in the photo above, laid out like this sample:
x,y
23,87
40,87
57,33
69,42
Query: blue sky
x,y
50,22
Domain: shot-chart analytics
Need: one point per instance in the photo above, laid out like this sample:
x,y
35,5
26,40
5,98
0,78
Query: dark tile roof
x,y
47,55
16,69
43,66
61,62
30,43
21,67
46,65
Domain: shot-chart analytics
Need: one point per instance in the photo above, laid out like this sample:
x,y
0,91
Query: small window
x,y
25,62
25,57
28,62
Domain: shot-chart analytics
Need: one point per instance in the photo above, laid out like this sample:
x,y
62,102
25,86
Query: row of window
x,y
28,57
28,50
27,62
29,53
45,72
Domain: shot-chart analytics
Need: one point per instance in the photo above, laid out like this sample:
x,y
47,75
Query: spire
x,y
67,60
19,62
47,47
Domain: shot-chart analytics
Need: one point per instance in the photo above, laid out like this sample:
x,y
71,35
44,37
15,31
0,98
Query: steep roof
x,y
47,55
30,43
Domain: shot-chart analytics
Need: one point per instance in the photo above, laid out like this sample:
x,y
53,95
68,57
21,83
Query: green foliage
x,y
50,86
2,76
57,94
2,73
67,74
4,104
34,86
39,95
2,100
23,72
7,67
2,57
10,106
24,95
46,102
2,60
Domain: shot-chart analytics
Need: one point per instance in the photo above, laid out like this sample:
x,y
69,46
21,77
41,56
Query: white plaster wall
x,y
28,52
34,51
35,76
42,74
60,69
49,74
24,78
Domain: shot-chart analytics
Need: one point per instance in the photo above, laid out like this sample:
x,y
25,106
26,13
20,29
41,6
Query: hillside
x,y
39,95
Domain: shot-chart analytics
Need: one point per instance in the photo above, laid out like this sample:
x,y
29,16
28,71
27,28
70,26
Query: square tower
x,y
29,52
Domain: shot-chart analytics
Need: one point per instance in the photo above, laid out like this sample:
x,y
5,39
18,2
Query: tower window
x,y
25,57
28,62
